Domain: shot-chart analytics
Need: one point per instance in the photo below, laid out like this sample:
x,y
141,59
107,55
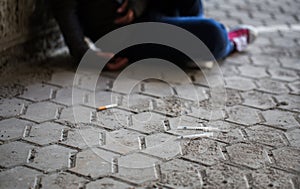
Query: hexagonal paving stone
x,y
289,102
263,40
104,83
94,163
294,137
76,114
162,145
171,76
83,137
266,135
287,158
42,111
284,42
181,174
62,180
45,133
88,82
52,158
283,74
126,85
112,119
136,168
254,72
263,60
280,119
239,59
11,107
204,151
272,86
70,96
38,92
295,86
230,137
229,70
157,88
224,176
11,129
271,50
253,156
258,100
107,183
103,98
239,83
272,178
99,98
233,97
26,178
147,122
137,102
207,113
243,115
14,153
171,106
122,141
289,62
192,92
63,79
110,74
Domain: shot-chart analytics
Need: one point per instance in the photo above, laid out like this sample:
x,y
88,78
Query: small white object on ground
x,y
107,107
200,128
195,136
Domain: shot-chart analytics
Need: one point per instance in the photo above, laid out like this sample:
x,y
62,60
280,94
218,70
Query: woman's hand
x,y
117,64
128,17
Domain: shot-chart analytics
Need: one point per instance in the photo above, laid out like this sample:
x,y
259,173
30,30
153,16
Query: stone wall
x,y
27,32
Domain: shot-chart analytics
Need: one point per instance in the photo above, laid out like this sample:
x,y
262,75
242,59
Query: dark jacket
x,y
91,18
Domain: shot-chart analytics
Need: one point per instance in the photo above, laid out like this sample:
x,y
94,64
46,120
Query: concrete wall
x,y
27,31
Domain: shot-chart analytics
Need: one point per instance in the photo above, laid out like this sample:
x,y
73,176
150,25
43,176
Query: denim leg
x,y
212,33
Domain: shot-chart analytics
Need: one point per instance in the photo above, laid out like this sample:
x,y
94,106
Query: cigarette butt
x,y
200,128
101,108
195,136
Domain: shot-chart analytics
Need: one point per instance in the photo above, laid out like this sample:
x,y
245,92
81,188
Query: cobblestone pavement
x,y
43,147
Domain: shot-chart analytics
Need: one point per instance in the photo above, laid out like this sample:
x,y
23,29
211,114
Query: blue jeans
x,y
187,14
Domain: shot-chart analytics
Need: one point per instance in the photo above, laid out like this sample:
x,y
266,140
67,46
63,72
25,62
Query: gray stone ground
x,y
43,147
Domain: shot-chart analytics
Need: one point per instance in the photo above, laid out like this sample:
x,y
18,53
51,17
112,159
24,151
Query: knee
x,y
217,37
216,28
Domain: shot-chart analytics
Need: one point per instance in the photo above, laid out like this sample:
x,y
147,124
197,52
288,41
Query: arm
x,y
65,13
133,9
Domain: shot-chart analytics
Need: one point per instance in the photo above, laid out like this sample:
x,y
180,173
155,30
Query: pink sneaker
x,y
242,36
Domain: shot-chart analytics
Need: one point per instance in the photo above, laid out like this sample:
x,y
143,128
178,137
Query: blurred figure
x,y
83,20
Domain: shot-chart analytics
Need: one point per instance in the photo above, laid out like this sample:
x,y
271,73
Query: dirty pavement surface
x,y
135,145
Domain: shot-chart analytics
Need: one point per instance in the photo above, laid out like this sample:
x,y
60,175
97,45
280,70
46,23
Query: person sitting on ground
x,y
81,20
